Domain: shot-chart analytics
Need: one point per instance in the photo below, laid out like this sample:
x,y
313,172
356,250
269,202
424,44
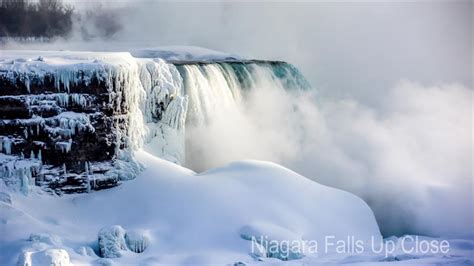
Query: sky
x,y
353,50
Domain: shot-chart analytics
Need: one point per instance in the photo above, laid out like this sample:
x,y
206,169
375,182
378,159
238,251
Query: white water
x,y
221,125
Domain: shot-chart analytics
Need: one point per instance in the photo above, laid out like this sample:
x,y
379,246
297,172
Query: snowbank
x,y
189,217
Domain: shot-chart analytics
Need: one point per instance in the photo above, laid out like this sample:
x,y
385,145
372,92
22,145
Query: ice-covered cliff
x,y
69,120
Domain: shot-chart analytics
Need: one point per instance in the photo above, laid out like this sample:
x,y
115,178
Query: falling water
x,y
219,95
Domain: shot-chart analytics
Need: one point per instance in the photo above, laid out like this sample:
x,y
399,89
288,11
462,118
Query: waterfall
x,y
204,114
220,111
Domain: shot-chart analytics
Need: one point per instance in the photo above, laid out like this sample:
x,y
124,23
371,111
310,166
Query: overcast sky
x,y
345,49
355,50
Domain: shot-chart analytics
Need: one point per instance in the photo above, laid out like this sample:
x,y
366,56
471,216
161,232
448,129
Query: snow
x,y
187,214
55,257
176,216
187,53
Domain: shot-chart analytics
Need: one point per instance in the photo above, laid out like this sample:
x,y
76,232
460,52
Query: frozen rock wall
x,y
69,122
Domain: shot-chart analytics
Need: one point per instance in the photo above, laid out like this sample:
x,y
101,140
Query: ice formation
x,y
112,241
137,240
66,97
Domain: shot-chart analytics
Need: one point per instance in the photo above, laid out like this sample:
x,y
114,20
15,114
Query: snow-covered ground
x,y
181,217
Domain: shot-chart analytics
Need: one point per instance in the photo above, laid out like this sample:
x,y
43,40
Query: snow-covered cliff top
x,y
37,60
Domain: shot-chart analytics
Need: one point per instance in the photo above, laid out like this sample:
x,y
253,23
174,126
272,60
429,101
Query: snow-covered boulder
x,y
50,257
137,240
112,241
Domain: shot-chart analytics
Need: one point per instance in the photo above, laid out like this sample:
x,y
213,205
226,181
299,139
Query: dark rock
x,y
71,126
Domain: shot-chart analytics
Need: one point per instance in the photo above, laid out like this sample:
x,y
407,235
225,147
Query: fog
x,y
390,117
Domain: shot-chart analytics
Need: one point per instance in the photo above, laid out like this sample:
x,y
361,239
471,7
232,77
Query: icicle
x,y
87,168
40,158
27,83
64,169
88,184
88,178
22,156
7,145
24,181
32,155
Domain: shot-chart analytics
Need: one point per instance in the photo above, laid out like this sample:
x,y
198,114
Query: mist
x,y
411,163
390,115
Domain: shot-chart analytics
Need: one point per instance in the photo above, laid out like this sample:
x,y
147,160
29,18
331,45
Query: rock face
x,y
68,123
66,130
57,129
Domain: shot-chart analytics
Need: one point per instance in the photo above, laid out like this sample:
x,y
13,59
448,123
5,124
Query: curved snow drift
x,y
191,218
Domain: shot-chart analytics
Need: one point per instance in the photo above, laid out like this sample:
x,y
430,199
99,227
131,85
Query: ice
x,y
137,240
6,145
25,183
64,146
112,241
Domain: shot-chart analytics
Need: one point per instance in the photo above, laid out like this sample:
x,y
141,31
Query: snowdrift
x,y
190,218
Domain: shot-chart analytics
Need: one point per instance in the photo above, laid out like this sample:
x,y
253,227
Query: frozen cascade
x,y
162,111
